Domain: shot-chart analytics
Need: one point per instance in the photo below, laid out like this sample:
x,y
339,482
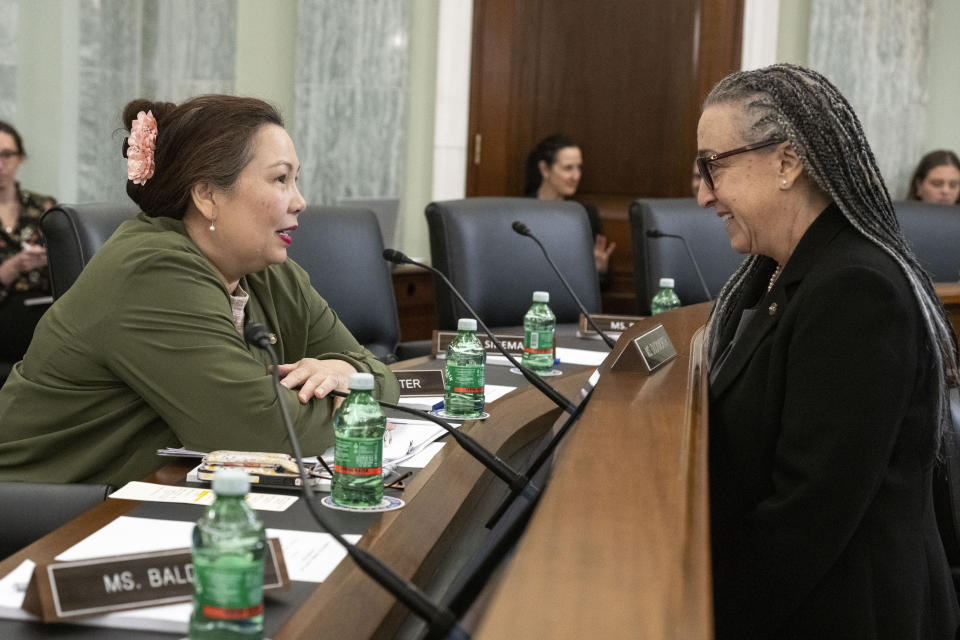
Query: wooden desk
x,y
949,293
414,542
619,544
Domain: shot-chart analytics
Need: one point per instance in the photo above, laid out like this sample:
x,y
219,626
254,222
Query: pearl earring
x,y
783,182
211,225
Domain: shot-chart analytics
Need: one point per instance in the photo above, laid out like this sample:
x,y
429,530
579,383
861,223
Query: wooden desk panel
x,y
619,545
949,293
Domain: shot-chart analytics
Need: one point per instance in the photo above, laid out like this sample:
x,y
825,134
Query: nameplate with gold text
x,y
647,352
67,590
513,344
420,382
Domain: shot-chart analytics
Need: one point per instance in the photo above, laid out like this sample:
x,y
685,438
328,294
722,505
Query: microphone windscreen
x,y
521,228
256,334
394,256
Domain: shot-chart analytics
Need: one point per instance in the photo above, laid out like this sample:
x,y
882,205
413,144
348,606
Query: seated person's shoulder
x,y
36,203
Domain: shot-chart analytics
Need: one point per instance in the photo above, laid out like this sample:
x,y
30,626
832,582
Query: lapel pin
x,y
772,309
273,338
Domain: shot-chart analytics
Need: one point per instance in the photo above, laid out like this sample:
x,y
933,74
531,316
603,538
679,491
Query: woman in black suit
x,y
830,358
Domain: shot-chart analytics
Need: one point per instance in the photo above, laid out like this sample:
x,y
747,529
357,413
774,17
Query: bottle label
x,y
465,379
230,588
358,456
538,342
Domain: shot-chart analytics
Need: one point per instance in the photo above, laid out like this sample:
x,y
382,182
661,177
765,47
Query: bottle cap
x,y
541,296
230,482
361,381
666,282
466,324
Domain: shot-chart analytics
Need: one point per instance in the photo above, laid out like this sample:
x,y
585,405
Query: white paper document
x,y
150,492
310,557
491,393
581,356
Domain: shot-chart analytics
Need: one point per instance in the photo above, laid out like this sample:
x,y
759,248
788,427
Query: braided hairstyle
x,y
802,106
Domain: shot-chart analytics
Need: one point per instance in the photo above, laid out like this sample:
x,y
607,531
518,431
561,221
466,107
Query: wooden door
x,y
623,78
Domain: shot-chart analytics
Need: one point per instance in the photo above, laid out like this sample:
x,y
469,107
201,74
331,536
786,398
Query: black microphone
x,y
440,620
398,257
524,230
656,233
517,482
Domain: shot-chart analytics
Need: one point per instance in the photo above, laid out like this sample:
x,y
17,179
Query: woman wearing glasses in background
x,y
830,357
23,258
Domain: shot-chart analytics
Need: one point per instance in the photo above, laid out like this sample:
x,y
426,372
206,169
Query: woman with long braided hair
x,y
830,359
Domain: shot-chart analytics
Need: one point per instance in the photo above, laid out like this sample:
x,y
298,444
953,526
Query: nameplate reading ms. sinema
x,y
442,339
65,590
647,352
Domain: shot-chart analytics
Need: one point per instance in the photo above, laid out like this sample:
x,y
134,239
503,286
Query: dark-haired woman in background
x,y
553,172
23,258
830,361
146,349
936,178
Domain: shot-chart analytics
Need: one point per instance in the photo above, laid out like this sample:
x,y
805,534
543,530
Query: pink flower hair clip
x,y
141,145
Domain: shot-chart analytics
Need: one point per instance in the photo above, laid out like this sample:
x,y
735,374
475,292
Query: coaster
x,y
389,503
440,413
555,372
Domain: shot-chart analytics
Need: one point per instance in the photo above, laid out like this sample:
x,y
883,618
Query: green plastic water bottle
x,y
358,429
665,299
228,546
466,359
539,326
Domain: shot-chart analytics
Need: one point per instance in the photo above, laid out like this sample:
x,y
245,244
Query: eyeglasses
x,y
9,155
703,163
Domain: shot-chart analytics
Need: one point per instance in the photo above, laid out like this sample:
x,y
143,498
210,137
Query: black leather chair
x,y
932,231
342,250
74,232
497,271
31,510
665,257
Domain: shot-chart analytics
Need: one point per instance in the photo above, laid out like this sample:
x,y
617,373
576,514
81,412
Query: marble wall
x,y
350,98
167,50
876,53
8,60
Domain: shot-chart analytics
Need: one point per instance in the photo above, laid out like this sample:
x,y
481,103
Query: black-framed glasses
x,y
9,155
703,162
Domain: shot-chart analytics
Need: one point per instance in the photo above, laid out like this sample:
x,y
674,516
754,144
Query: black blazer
x,y
822,446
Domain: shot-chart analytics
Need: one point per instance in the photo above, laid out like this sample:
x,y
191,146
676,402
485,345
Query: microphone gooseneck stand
x,y
440,621
397,257
656,233
516,481
524,230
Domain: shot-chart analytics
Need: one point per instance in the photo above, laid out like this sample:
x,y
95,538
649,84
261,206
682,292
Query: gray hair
x,y
802,106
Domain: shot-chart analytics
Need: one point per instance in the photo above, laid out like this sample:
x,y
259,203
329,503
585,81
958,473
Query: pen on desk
x,y
398,483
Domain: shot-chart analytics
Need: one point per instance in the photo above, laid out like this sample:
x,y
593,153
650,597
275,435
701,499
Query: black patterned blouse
x,y
26,231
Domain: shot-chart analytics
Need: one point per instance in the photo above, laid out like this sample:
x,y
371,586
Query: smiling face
x,y
745,185
253,219
940,185
561,179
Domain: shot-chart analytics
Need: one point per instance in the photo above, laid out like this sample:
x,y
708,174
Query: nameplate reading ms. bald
x,y
420,382
66,590
647,352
